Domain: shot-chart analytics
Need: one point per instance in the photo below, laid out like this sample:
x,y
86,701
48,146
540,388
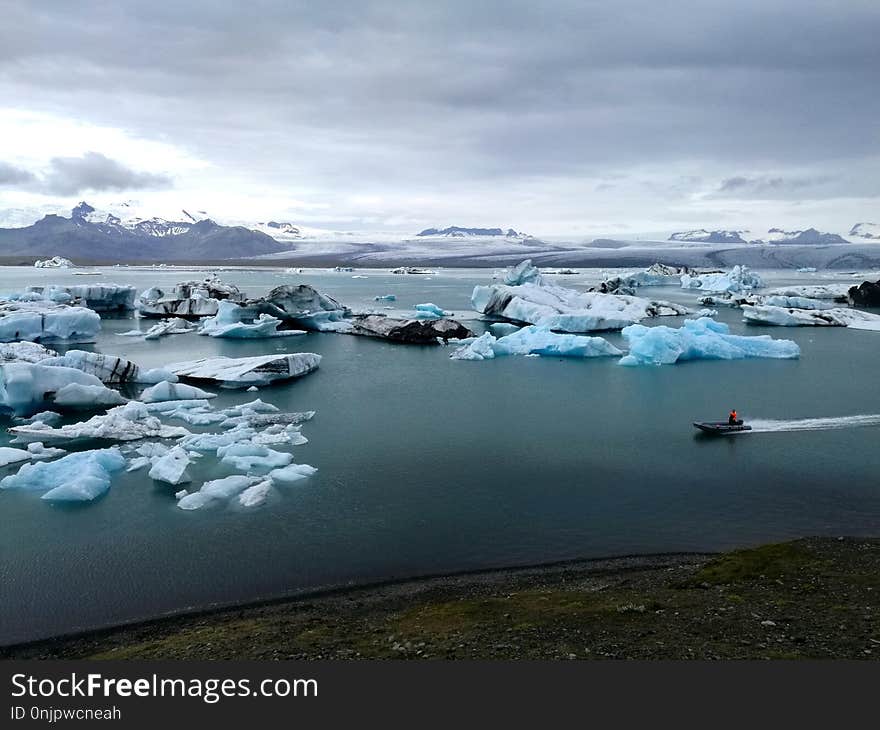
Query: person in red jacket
x,y
732,418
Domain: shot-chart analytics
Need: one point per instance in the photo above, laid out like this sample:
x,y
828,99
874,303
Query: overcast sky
x,y
560,118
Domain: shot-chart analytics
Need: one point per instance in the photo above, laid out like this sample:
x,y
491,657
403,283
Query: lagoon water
x,y
428,465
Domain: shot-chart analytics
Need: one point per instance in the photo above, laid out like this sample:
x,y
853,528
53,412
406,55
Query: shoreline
x,y
810,598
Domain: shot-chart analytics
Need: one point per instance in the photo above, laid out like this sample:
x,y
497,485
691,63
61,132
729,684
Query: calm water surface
x,y
429,465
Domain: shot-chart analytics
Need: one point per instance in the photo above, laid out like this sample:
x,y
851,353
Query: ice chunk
x,y
499,329
292,473
174,326
87,397
98,297
25,352
181,494
245,456
385,298
835,292
777,300
166,391
430,311
56,262
535,340
171,467
25,387
807,270
737,279
245,371
256,494
792,317
217,489
699,339
230,322
38,452
47,322
533,301
110,369
82,476
130,422
188,299
8,455
252,389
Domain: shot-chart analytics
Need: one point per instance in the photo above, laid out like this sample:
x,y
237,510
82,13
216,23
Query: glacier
x,y
699,339
79,477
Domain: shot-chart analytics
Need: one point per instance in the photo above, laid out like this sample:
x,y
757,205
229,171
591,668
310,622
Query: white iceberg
x,y
699,339
24,352
777,300
835,292
25,387
534,340
130,422
109,369
291,473
171,467
255,495
47,322
9,455
527,298
793,317
79,477
56,262
217,489
188,299
242,372
244,456
499,329
98,297
737,279
230,321
173,391
173,326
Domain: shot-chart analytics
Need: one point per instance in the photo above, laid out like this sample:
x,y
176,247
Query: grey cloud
x,y
12,175
96,172
385,97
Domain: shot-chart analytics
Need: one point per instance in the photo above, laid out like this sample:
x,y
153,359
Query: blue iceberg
x,y
534,340
79,477
699,339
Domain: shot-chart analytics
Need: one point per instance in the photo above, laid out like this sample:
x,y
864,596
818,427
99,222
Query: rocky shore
x,y
811,598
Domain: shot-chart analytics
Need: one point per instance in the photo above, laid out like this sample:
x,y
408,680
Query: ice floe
x,y
242,372
699,339
171,467
56,262
230,321
794,317
78,477
173,326
217,489
835,292
98,297
109,369
26,387
24,352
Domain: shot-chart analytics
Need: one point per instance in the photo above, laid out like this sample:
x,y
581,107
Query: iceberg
x,y
699,339
408,331
9,455
242,372
130,422
793,317
230,322
97,297
654,275
173,326
534,340
255,495
109,369
244,456
190,299
737,279
38,452
291,473
777,300
78,477
217,489
430,311
173,391
303,306
835,292
499,329
526,298
26,387
171,467
47,322
24,352
56,262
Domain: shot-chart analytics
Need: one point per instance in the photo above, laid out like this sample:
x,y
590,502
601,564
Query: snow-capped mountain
x,y
701,235
808,237
280,231
870,231
91,235
461,232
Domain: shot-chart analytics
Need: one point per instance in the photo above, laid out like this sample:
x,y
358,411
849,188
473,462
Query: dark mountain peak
x,y
81,210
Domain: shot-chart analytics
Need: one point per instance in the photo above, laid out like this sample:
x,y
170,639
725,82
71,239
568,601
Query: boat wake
x,y
813,424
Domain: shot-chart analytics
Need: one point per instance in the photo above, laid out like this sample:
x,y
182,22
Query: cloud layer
x,y
505,113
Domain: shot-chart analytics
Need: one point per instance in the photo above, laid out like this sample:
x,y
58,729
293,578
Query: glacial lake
x,y
428,465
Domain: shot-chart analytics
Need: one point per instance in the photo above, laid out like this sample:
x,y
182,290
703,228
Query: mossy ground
x,y
812,598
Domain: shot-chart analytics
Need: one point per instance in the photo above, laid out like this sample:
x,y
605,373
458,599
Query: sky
x,y
571,119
